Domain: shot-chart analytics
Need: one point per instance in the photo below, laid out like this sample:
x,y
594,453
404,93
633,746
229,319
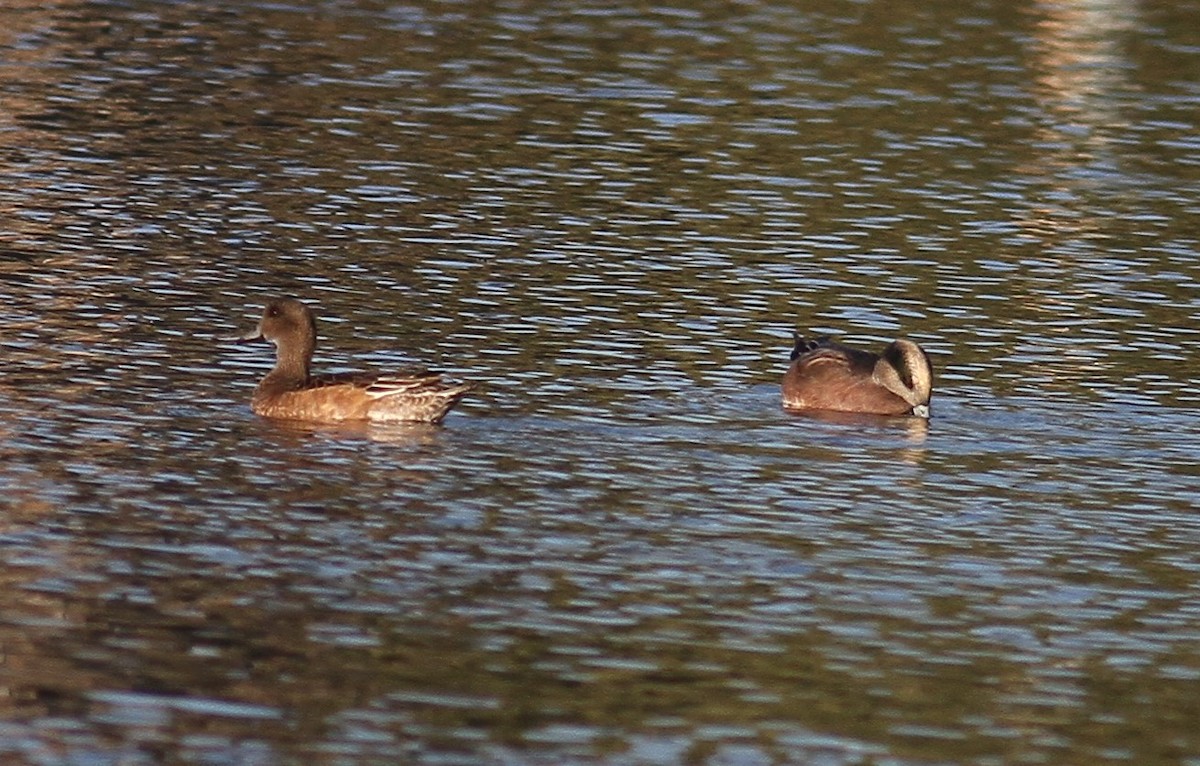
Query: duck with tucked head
x,y
829,376
289,391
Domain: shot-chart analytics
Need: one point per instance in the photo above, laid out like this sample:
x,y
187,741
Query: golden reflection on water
x,y
1081,75
1081,66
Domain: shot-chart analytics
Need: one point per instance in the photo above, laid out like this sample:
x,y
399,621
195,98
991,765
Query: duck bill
x,y
250,337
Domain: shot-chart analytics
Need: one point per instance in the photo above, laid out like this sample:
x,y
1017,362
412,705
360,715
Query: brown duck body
x,y
829,376
290,392
421,397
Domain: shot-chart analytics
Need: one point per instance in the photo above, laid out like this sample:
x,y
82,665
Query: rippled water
x,y
620,549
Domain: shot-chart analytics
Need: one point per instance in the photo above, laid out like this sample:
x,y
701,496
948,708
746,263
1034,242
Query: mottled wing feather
x,y
376,385
411,385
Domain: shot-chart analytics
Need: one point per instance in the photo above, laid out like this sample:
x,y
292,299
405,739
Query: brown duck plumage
x,y
829,376
289,391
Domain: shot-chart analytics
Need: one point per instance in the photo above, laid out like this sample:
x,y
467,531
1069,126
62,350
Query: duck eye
x,y
272,311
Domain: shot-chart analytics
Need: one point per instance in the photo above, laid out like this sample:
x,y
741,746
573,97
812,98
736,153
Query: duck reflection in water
x,y
829,376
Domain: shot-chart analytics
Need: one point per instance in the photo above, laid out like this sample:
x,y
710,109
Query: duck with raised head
x,y
289,391
829,376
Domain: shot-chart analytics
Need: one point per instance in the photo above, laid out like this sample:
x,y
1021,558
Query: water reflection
x,y
915,430
409,435
626,551
1081,65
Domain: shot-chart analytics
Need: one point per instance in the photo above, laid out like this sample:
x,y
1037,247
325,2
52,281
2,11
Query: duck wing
x,y
410,384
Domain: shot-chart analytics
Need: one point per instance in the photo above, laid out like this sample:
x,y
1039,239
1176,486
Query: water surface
x,y
620,550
